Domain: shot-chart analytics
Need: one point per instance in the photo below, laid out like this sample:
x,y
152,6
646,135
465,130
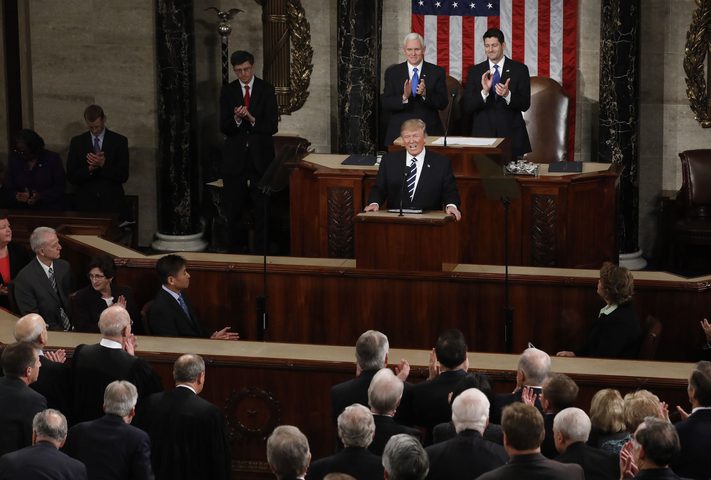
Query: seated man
x,y
415,178
288,452
655,445
405,459
384,396
533,368
171,315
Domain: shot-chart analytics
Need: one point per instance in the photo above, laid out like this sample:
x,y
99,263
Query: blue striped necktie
x,y
411,175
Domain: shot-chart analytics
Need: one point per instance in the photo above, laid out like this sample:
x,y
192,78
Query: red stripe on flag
x,y
418,24
518,30
570,45
443,42
492,22
467,46
544,38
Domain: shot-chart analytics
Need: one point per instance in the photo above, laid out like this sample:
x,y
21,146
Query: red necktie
x,y
246,96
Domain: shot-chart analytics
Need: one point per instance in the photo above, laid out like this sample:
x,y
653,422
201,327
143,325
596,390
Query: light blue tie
x,y
496,79
97,146
415,82
183,305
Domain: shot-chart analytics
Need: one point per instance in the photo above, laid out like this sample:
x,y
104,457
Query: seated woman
x,y
607,416
35,175
13,258
90,301
617,332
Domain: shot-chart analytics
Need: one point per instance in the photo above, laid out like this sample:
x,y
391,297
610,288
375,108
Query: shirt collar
x,y
608,309
45,267
188,387
171,292
699,408
105,342
418,67
500,64
99,136
251,85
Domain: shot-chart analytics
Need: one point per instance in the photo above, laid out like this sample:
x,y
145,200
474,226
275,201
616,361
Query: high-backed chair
x,y
453,85
693,229
547,121
650,340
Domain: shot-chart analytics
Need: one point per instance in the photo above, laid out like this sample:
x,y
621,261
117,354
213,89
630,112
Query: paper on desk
x,y
467,141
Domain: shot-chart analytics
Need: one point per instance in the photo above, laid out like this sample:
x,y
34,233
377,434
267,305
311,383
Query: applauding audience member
x,y
648,456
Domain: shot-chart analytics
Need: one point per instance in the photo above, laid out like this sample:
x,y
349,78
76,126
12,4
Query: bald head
x,y
113,321
31,329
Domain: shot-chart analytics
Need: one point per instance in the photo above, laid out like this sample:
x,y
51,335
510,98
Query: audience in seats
x,y
467,455
288,453
355,429
109,446
43,460
404,459
636,406
695,428
384,396
648,456
534,366
13,258
607,417
571,429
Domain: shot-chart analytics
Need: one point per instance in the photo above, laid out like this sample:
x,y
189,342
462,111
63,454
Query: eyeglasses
x,y
97,276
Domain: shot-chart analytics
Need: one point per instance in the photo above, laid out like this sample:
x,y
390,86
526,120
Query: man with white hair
x,y
405,459
288,453
467,455
109,446
534,366
571,429
113,358
355,429
384,396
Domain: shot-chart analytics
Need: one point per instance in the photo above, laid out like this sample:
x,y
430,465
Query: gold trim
x,y
696,54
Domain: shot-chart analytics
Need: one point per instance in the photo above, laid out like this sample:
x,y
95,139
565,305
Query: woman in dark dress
x,y
90,301
13,258
617,332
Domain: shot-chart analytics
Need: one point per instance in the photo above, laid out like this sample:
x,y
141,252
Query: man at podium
x,y
415,178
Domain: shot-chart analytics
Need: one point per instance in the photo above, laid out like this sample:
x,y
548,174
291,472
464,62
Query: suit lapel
x,y
423,176
42,277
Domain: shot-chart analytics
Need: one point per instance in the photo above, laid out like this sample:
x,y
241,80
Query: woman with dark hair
x,y
90,301
35,175
617,332
12,258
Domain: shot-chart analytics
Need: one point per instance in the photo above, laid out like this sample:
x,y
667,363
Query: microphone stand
x,y
402,187
449,115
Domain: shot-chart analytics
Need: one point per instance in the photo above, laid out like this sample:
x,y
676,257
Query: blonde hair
x,y
607,411
638,406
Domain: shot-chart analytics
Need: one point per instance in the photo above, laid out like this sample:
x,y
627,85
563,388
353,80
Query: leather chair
x,y
650,340
455,128
693,229
547,121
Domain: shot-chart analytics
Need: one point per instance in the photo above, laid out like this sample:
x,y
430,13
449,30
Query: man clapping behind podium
x,y
419,179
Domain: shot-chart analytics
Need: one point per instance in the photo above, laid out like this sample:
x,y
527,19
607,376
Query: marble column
x,y
359,30
619,115
178,173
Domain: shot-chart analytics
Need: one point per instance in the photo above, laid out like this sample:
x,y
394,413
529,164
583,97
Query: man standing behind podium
x,y
419,179
498,90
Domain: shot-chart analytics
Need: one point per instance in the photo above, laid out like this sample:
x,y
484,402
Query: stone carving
x,y
252,413
545,216
340,222
697,55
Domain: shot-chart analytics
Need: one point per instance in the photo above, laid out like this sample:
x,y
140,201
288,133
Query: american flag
x,y
540,33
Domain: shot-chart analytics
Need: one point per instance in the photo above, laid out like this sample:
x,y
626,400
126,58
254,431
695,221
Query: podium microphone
x,y
402,187
452,94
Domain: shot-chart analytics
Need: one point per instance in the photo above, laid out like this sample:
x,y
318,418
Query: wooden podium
x,y
412,242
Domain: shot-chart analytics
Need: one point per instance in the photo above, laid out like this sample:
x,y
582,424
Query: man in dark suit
x,y
559,392
404,458
97,164
170,314
188,434
355,429
53,381
467,455
18,402
288,453
249,118
533,368
497,91
523,434
43,459
95,366
655,444
384,394
109,446
694,432
44,284
414,89
571,429
417,178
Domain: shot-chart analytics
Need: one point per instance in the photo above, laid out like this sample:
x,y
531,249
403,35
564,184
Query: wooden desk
x,y
561,220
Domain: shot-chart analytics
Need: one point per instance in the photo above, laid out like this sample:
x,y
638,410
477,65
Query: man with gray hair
x,y
288,453
179,421
571,429
534,366
113,358
43,285
655,445
467,455
405,459
109,446
384,396
355,429
43,459
371,355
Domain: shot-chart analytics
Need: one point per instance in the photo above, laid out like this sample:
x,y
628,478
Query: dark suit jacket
x,y
95,366
356,462
386,427
616,335
41,461
246,144
100,190
19,257
426,109
658,474
445,431
436,187
34,292
351,391
597,465
188,436
494,118
501,400
694,460
18,406
54,384
111,449
87,306
166,318
47,178
465,456
535,467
